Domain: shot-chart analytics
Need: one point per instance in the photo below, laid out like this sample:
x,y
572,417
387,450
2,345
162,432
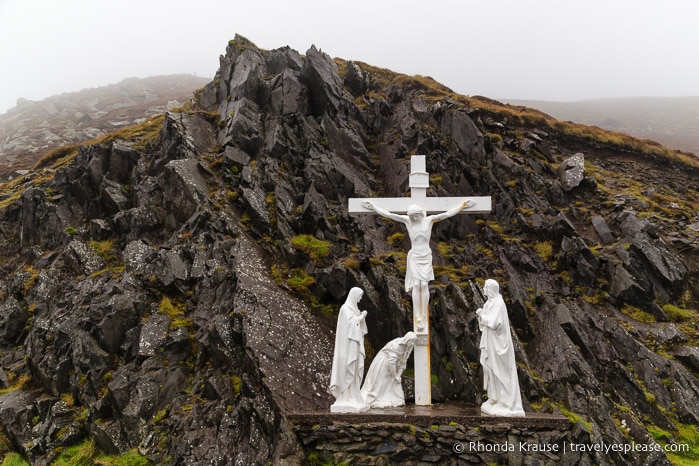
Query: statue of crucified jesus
x,y
419,270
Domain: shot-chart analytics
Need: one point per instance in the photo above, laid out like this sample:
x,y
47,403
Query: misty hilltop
x,y
169,291
672,121
32,128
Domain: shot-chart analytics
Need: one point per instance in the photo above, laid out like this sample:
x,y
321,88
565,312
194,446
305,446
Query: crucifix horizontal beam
x,y
419,182
432,205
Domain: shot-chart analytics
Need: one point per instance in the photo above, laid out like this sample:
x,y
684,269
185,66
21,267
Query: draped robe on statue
x,y
382,387
498,356
348,360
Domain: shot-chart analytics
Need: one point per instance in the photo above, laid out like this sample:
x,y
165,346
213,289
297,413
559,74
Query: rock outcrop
x,y
175,292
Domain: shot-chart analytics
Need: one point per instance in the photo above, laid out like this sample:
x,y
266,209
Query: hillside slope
x,y
31,129
173,287
672,121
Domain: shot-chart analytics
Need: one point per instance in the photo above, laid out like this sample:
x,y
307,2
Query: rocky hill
x,y
172,287
672,121
31,129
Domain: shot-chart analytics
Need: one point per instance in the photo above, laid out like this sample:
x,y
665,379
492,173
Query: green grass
x,y
105,249
445,249
11,199
352,263
677,314
576,418
63,154
176,312
300,280
87,454
17,383
129,458
14,459
638,314
313,247
395,239
237,384
455,274
544,249
82,454
685,434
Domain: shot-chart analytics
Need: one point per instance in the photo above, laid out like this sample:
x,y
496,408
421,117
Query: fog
x,y
503,49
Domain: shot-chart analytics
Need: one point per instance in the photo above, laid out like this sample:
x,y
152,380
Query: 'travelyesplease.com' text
x,y
606,448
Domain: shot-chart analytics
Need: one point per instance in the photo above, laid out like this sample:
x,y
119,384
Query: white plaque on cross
x,y
419,260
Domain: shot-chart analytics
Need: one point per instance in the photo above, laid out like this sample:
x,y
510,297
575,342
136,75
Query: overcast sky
x,y
518,49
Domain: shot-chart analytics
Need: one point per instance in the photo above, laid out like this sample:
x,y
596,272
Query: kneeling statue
x,y
382,386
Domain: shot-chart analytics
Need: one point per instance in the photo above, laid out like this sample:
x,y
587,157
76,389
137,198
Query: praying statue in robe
x,y
348,360
419,270
498,356
382,387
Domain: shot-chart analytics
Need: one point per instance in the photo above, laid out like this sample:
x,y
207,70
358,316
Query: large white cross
x,y
419,182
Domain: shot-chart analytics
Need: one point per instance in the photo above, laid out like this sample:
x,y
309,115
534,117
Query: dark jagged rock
x,y
580,260
689,356
603,230
185,189
355,79
81,260
159,281
13,317
319,74
660,265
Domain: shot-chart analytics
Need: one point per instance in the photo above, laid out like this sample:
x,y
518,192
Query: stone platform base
x,y
439,434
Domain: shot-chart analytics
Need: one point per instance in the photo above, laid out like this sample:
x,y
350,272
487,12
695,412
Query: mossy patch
x,y
313,247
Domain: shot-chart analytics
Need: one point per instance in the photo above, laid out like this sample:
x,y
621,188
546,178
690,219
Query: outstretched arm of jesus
x,y
451,212
385,213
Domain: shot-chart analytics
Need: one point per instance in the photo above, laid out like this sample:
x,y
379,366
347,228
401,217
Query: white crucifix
x,y
418,213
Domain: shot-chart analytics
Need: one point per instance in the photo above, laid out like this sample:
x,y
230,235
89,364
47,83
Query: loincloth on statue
x,y
418,268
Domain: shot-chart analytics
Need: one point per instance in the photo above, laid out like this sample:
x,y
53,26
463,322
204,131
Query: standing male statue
x,y
419,270
498,356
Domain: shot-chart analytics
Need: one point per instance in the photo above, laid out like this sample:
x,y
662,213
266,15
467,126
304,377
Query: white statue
x,y
382,387
348,360
498,356
419,270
